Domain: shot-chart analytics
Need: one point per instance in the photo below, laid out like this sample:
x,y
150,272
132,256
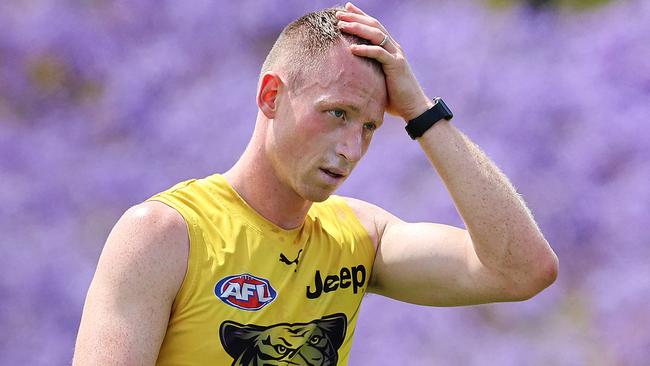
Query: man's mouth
x,y
331,173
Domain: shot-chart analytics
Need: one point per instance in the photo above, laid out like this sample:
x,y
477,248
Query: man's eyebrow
x,y
351,107
348,106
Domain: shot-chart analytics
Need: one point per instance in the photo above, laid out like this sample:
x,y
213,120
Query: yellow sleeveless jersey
x,y
256,294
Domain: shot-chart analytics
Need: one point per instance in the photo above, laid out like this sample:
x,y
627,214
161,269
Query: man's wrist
x,y
420,108
419,125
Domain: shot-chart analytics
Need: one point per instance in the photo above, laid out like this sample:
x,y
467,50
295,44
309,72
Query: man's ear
x,y
268,92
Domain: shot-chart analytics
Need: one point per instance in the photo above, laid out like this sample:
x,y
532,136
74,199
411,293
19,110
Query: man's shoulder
x,y
155,216
139,273
151,227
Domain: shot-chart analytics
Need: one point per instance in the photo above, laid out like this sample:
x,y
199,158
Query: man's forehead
x,y
336,61
345,78
340,57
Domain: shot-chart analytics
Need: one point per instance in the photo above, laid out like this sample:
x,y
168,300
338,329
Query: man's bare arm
x,y
504,248
138,275
502,256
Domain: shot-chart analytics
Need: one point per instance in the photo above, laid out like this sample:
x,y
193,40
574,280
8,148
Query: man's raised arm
x,y
138,275
502,256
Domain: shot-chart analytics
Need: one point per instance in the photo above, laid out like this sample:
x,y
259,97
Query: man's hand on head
x,y
405,96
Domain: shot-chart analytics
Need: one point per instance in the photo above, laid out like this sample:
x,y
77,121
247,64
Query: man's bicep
x,y
139,272
430,264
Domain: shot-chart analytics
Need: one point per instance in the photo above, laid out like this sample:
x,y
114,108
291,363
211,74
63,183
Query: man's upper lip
x,y
336,171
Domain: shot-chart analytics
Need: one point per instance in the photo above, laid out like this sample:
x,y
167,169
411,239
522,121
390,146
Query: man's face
x,y
323,126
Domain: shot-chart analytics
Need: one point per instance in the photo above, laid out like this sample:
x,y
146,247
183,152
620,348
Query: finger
x,y
372,34
353,8
375,52
363,19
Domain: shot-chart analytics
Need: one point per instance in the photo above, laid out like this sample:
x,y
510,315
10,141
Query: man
x,y
262,265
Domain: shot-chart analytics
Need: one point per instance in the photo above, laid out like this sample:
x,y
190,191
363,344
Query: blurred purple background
x,y
104,103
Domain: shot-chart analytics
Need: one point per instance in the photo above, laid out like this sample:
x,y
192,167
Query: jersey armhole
x,y
355,223
189,279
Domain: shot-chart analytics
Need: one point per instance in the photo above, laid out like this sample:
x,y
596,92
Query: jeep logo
x,y
355,277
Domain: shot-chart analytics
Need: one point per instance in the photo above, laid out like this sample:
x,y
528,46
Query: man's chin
x,y
319,190
318,197
318,194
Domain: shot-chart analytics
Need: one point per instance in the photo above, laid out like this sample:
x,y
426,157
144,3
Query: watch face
x,y
447,112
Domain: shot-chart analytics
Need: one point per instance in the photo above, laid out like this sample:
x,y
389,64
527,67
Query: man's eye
x,y
314,340
337,113
370,126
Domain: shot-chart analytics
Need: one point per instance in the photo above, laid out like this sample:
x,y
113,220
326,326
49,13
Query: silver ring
x,y
383,41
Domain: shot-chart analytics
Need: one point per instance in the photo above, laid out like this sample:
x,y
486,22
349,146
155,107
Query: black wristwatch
x,y
420,124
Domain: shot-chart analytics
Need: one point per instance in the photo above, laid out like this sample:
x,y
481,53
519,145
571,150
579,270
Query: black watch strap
x,y
420,124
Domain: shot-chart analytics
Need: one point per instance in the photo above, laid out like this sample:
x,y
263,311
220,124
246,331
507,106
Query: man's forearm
x,y
504,233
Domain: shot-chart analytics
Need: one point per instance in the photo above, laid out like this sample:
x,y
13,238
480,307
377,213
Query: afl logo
x,y
245,291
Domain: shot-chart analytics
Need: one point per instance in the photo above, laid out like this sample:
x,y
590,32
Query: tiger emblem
x,y
310,344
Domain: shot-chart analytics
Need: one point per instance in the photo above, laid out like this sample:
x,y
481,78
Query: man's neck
x,y
255,181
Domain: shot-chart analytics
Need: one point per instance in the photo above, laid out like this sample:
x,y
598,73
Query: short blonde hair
x,y
300,48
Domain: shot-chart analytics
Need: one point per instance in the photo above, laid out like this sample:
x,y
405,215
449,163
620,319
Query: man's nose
x,y
350,146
